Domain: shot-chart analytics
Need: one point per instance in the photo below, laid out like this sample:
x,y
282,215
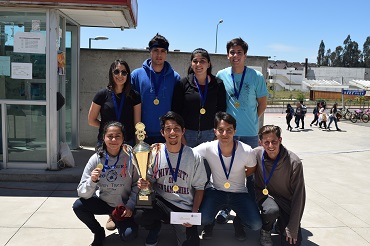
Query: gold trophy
x,y
141,152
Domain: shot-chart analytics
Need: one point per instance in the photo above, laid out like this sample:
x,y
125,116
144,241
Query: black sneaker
x,y
98,238
152,238
223,216
239,230
207,232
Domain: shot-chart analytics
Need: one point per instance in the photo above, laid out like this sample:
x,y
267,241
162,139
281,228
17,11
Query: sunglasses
x,y
123,72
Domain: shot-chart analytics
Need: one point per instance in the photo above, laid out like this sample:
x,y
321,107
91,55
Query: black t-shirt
x,y
108,113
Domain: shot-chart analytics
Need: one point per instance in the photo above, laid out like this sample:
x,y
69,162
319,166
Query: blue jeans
x,y
253,142
242,204
331,119
194,138
85,209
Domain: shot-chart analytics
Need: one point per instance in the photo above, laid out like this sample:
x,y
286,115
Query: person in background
x,y
246,96
298,114
280,188
155,82
178,178
109,186
303,113
230,162
315,114
117,102
323,116
333,117
197,98
289,115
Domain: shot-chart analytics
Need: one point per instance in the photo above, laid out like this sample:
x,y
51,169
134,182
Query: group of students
x,y
201,169
321,115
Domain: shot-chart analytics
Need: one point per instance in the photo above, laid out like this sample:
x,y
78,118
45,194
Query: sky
x,y
283,30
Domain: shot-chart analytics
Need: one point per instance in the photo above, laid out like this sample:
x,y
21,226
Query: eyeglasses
x,y
123,72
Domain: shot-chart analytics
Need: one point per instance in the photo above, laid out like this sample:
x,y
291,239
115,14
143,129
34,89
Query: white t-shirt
x,y
244,158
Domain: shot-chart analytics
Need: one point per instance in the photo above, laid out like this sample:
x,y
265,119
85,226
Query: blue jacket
x,y
143,80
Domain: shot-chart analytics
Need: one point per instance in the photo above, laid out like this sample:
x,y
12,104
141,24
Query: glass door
x,y
23,88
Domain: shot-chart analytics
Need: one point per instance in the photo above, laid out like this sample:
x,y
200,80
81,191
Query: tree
x,y
351,53
337,57
320,55
327,60
366,52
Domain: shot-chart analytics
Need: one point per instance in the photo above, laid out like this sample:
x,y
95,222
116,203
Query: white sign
x,y
5,65
185,217
21,70
30,42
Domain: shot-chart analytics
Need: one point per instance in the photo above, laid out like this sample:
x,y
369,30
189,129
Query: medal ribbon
x,y
272,169
174,174
157,83
237,93
203,95
129,154
106,166
118,111
222,160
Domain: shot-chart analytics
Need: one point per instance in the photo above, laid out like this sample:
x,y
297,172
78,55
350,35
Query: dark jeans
x,y
243,205
315,119
296,120
322,123
270,212
151,219
302,120
85,209
288,120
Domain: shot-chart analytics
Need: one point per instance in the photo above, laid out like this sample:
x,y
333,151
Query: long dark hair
x,y
204,54
111,84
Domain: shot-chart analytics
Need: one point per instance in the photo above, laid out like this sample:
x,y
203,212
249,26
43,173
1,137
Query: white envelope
x,y
186,217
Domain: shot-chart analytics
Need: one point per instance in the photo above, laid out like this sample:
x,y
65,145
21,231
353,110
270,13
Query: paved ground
x,y
337,182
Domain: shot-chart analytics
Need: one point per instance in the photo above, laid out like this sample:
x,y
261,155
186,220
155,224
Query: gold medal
x,y
156,101
227,185
237,104
175,188
100,166
265,191
202,111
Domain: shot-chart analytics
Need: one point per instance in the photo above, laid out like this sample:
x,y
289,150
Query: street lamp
x,y
274,81
290,78
97,38
219,22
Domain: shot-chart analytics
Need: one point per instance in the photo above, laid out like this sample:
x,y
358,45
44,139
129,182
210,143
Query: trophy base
x,y
144,201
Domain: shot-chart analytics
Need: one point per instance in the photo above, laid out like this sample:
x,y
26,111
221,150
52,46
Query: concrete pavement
x,y
337,208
